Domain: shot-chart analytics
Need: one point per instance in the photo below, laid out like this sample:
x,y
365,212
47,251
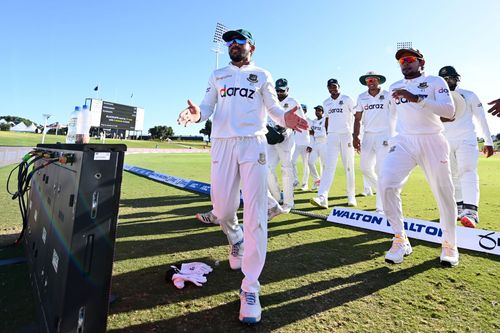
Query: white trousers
x,y
318,151
242,159
338,144
464,155
374,149
431,153
300,150
281,152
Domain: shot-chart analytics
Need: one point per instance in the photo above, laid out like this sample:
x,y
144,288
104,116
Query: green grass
x,y
31,140
319,277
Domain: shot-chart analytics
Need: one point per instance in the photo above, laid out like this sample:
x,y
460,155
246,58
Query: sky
x,y
157,54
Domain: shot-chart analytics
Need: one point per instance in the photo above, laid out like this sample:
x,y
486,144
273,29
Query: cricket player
x,y
419,102
464,153
340,118
372,110
302,141
244,95
283,151
318,146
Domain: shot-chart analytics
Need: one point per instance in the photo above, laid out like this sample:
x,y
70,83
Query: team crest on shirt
x,y
285,106
262,158
423,85
381,97
252,78
341,103
349,144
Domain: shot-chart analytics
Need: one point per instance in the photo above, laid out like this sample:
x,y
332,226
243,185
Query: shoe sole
x,y
314,203
398,262
467,223
446,263
199,218
250,320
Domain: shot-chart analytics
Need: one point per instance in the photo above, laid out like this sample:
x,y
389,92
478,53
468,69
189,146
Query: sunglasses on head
x,y
237,41
407,59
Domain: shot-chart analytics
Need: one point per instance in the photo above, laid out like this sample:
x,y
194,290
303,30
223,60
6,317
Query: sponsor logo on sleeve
x,y
443,91
208,89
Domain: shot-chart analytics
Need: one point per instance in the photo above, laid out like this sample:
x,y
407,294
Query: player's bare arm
x,y
495,109
189,115
355,135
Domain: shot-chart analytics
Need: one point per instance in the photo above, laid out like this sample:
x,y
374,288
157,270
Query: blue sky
x,y
55,52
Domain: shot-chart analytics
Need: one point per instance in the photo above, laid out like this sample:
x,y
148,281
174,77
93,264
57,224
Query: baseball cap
x,y
238,34
415,52
332,81
362,78
320,107
448,71
281,84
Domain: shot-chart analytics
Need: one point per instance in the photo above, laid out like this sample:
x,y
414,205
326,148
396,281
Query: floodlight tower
x,y
220,29
45,116
403,45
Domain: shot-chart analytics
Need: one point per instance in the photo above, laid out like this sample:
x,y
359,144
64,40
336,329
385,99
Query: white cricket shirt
x,y
244,97
377,117
463,127
423,117
340,113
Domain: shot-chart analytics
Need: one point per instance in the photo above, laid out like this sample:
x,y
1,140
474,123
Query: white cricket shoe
x,y
400,248
236,255
351,202
315,185
286,208
207,218
250,309
304,187
320,202
275,211
469,218
449,255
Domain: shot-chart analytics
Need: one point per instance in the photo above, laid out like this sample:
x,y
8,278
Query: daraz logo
x,y
234,91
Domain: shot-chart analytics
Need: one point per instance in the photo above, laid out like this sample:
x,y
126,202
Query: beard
x,y
238,54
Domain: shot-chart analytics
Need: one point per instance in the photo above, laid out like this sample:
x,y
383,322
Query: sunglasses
x,y
371,80
237,41
451,78
407,59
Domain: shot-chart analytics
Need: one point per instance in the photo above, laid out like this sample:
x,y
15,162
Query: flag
x,y
96,88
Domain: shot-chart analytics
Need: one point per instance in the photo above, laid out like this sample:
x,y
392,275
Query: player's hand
x,y
403,93
191,114
495,109
309,149
487,151
446,120
295,122
356,144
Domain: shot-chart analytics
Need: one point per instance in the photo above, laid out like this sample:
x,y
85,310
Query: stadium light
x,y
220,29
403,45
46,116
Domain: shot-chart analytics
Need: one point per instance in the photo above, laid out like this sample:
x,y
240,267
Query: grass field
x,y
319,277
31,140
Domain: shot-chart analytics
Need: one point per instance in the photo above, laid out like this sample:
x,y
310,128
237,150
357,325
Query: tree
x,y
207,130
5,127
161,132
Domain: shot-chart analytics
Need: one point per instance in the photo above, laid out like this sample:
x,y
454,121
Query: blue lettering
x,y
377,220
345,214
336,212
367,218
431,231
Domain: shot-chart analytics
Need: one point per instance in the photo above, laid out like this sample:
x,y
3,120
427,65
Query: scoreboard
x,y
111,115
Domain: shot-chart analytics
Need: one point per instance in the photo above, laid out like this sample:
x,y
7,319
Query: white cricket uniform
x,y
283,152
420,142
302,141
378,127
318,146
464,152
244,96
340,113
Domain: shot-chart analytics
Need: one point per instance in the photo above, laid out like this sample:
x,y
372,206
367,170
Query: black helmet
x,y
448,71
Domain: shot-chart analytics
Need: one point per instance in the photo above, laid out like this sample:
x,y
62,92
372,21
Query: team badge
x,y
341,103
381,97
262,158
285,106
385,143
349,144
393,148
423,85
252,78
